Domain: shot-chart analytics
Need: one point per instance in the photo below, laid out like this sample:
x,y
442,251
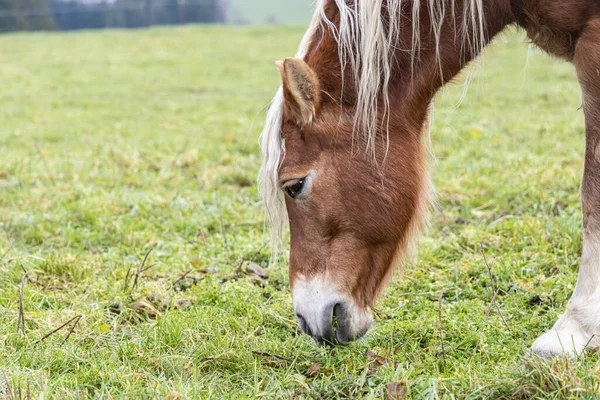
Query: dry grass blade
x,y
12,245
182,277
265,354
42,387
205,359
224,233
493,289
127,277
26,274
21,317
71,330
140,270
46,336
9,392
440,323
251,259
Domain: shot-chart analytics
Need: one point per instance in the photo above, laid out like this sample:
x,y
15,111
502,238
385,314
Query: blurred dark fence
x,y
85,14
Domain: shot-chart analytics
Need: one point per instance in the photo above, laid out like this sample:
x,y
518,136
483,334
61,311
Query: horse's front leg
x,y
579,327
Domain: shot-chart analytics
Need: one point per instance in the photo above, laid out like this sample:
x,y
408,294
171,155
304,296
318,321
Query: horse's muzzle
x,y
327,315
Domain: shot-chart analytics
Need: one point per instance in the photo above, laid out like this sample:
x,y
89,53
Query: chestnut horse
x,y
343,152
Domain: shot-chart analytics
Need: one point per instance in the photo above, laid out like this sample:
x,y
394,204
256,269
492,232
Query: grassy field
x,y
120,146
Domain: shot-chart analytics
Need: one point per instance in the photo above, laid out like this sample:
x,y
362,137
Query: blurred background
x,y
19,15
121,145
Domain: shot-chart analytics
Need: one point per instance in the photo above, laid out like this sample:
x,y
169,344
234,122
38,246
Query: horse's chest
x,y
554,25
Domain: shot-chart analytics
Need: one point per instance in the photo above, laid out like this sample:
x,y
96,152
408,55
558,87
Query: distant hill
x,y
284,12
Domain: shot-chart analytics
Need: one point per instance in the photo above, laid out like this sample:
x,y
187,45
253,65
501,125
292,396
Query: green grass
x,y
117,143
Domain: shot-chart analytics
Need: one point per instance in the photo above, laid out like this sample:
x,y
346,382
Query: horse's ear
x,y
301,90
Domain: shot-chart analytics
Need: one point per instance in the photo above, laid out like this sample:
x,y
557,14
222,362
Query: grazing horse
x,y
343,152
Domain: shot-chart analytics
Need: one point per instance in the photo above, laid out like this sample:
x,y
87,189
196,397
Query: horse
x,y
344,159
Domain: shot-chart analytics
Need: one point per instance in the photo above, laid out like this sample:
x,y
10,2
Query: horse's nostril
x,y
303,325
343,324
333,323
337,309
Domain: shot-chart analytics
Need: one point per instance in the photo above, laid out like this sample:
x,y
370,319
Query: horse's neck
x,y
440,60
417,74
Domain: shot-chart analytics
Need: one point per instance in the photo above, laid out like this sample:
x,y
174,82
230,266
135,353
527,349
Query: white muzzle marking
x,y
317,302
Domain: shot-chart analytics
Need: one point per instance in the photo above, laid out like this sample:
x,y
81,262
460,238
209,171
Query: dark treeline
x,y
16,15
76,14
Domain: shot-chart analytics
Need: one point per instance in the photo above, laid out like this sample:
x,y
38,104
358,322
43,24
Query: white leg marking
x,y
578,328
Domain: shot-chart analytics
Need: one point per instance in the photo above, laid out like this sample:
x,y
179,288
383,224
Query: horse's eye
x,y
294,188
